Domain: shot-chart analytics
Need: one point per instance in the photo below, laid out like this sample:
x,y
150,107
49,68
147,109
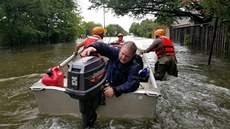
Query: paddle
x,y
109,40
67,60
70,58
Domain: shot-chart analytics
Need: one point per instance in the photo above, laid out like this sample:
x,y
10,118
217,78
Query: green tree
x,y
38,21
114,29
133,28
216,8
169,10
145,28
87,27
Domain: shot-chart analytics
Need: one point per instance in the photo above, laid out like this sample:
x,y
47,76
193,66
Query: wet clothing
x,y
166,48
119,41
122,77
165,64
166,57
91,39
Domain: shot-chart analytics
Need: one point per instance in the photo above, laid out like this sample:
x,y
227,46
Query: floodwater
x,y
199,98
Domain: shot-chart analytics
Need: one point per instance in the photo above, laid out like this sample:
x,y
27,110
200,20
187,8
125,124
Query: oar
x,y
109,40
67,60
70,58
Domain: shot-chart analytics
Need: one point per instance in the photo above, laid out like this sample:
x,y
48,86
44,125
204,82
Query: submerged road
x,y
198,98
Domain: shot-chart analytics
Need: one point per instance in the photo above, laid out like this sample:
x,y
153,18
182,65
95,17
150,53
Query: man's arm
x,y
102,48
78,46
87,51
154,45
105,49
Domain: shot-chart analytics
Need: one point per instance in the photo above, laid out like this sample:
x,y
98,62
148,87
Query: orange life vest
x,y
119,41
166,48
90,40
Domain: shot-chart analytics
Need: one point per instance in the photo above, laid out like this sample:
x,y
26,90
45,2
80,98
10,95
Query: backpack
x,y
143,74
139,61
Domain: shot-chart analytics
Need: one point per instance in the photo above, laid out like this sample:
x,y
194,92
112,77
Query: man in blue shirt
x,y
123,68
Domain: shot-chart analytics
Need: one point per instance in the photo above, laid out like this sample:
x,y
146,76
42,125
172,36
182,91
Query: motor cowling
x,y
85,79
85,76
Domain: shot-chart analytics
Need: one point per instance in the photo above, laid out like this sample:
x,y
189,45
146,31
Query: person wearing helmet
x,y
120,39
164,49
119,42
98,34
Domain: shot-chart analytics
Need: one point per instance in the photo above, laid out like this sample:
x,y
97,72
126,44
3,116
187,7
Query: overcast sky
x,y
97,16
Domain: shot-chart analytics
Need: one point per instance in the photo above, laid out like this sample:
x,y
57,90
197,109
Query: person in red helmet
x,y
98,34
164,49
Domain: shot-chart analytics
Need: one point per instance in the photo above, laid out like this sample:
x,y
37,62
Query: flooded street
x,y
199,98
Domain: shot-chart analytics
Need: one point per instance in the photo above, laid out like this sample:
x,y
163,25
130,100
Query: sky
x,y
97,16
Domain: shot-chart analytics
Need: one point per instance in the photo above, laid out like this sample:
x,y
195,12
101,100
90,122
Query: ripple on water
x,y
190,102
194,100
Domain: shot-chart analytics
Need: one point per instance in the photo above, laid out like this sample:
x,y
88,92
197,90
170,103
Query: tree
x,y
87,27
169,10
114,29
38,21
145,28
133,28
217,8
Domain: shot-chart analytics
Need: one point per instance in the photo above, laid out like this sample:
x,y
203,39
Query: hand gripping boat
x,y
81,95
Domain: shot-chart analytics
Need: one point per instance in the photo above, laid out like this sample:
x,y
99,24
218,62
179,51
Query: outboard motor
x,y
85,79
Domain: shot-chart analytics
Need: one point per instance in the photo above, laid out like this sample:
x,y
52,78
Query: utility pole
x,y
213,40
104,15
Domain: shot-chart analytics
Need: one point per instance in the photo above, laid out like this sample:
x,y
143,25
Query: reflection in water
x,y
198,98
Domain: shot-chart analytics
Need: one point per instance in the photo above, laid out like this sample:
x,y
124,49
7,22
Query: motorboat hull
x,y
141,103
